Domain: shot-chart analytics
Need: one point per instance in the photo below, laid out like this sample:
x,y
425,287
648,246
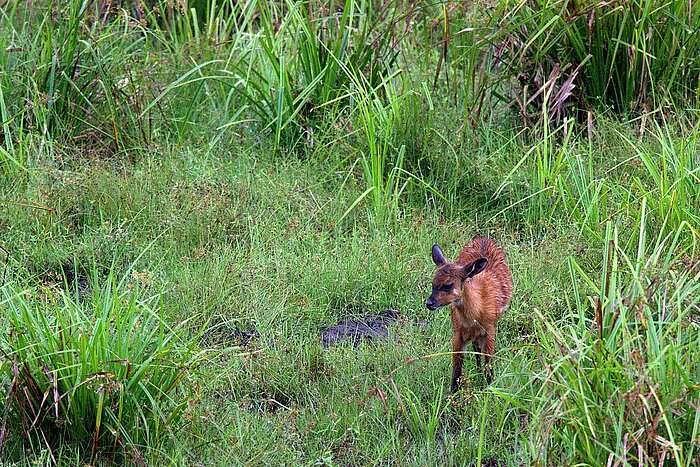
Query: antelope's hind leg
x,y
488,347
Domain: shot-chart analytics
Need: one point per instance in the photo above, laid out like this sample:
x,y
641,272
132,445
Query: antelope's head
x,y
449,279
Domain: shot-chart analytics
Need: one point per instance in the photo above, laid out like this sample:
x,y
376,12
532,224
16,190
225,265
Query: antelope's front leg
x,y
457,359
477,354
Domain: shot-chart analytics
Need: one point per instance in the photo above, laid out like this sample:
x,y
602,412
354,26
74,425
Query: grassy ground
x,y
221,229
246,240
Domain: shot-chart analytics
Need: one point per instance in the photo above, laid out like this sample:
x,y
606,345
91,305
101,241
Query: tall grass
x,y
561,57
671,177
293,65
381,161
643,54
100,369
618,384
560,178
69,73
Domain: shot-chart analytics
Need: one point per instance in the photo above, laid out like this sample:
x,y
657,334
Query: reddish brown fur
x,y
477,297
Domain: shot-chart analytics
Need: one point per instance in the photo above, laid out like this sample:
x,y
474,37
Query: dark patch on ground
x,y
357,330
492,462
68,278
266,403
244,336
78,283
222,334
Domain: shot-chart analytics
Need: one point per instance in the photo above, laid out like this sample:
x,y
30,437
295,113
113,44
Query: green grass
x,y
238,166
95,367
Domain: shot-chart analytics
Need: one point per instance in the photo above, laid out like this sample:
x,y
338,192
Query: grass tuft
x,y
100,369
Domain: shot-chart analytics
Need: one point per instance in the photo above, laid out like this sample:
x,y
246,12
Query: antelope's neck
x,y
469,305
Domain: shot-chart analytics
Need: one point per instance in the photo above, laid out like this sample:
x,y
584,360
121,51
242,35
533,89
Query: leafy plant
x,y
103,370
294,62
67,75
631,55
619,386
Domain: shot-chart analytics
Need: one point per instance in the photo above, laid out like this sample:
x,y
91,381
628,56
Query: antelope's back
x,y
496,276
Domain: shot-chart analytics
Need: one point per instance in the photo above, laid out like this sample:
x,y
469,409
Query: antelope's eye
x,y
446,288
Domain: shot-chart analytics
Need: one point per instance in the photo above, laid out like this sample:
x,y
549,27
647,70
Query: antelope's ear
x,y
474,268
438,257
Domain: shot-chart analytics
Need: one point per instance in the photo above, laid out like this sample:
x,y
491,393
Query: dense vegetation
x,y
191,191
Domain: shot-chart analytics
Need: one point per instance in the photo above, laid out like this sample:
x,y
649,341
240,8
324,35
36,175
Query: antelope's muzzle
x,y
431,304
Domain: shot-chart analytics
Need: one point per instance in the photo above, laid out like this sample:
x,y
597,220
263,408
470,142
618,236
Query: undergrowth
x,y
191,192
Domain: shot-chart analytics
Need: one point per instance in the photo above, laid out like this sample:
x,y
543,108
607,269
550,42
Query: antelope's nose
x,y
430,304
